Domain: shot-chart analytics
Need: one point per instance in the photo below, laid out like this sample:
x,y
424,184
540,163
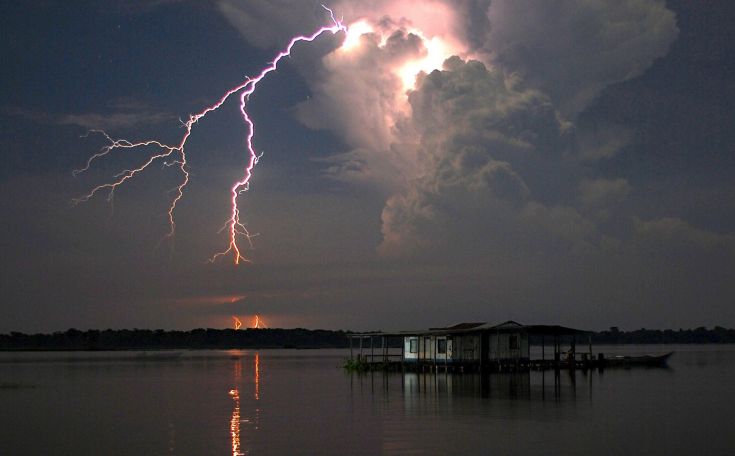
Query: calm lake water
x,y
302,402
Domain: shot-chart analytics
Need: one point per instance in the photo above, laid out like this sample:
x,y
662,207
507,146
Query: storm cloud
x,y
482,160
446,160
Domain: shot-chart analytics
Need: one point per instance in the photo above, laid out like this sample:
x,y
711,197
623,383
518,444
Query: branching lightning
x,y
234,225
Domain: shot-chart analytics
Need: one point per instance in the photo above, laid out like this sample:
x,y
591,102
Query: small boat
x,y
656,359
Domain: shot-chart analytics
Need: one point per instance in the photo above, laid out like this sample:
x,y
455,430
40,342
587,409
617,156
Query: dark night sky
x,y
572,165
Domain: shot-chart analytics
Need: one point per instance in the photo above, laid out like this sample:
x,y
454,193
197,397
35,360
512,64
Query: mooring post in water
x,y
589,340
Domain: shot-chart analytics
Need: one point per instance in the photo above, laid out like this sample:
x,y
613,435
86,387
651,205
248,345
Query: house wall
x,y
407,355
448,348
508,346
428,349
466,347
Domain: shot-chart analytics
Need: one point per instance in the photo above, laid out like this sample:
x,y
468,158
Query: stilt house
x,y
473,344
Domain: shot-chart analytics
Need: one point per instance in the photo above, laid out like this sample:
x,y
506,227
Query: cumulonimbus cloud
x,y
485,145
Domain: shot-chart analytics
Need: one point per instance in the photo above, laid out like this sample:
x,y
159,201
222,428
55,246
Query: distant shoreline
x,y
296,338
121,350
171,349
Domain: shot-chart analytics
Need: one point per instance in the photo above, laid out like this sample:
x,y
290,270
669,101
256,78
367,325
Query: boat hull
x,y
658,359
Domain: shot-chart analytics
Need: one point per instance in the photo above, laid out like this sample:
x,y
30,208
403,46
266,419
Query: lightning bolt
x,y
238,323
233,226
259,323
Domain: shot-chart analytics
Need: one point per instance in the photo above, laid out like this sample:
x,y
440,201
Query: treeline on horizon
x,y
131,339
700,335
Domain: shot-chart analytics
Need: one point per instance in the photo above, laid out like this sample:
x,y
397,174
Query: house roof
x,y
554,330
465,328
459,326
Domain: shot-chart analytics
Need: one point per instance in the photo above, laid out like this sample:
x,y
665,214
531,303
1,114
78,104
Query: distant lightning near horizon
x,y
234,225
259,324
238,323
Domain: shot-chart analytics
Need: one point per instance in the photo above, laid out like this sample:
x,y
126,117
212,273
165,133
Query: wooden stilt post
x,y
543,350
446,354
382,347
351,356
372,352
403,350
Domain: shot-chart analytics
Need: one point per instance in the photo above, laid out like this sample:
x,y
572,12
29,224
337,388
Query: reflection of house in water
x,y
437,392
419,389
475,345
508,385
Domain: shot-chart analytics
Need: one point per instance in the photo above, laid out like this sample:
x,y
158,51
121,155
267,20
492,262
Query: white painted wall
x,y
407,355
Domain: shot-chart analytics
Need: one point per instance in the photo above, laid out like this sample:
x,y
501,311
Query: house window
x,y
413,346
513,342
441,346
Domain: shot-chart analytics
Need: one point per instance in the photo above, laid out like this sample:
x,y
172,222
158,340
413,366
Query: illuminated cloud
x,y
567,165
488,136
363,98
475,142
361,92
491,149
